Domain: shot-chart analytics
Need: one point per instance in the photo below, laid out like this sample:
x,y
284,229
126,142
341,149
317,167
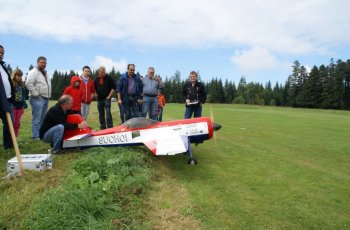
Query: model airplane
x,y
162,138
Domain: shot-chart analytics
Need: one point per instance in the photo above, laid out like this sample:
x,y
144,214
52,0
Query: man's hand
x,y
139,101
83,125
188,101
119,101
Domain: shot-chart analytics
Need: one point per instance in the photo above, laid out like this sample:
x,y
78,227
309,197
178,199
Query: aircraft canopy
x,y
139,122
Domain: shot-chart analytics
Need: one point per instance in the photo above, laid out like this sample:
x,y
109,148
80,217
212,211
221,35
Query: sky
x,y
224,39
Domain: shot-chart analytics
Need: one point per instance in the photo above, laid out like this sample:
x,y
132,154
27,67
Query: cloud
x,y
108,63
298,27
257,58
260,31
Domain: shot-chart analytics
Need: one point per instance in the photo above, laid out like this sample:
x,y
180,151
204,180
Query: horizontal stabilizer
x,y
163,141
171,144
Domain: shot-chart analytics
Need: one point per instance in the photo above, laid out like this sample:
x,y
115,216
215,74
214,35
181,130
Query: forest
x,y
325,86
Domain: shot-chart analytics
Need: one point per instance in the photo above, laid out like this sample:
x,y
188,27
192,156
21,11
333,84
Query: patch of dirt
x,y
169,203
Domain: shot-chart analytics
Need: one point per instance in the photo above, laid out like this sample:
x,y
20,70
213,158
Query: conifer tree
x,y
268,93
346,95
313,89
230,91
241,90
276,96
295,81
338,84
176,87
328,81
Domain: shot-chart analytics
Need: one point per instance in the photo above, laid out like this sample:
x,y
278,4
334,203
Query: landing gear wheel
x,y
192,161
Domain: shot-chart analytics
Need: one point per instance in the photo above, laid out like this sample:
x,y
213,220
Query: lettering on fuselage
x,y
196,129
112,139
193,131
194,125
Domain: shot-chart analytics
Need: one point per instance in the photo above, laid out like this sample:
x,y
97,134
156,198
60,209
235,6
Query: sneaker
x,y
55,151
59,151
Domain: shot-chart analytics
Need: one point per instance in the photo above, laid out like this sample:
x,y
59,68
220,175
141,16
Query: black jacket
x,y
196,92
4,102
53,117
104,89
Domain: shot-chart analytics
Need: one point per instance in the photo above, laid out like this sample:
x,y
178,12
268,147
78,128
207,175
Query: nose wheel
x,y
192,161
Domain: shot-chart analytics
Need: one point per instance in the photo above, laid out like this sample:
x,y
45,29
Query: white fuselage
x,y
138,137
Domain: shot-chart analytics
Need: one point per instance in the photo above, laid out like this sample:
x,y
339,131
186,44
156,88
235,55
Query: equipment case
x,y
36,162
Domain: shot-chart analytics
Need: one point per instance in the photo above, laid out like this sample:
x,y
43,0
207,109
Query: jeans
x,y
39,109
131,110
104,113
197,111
85,110
6,135
17,114
121,113
149,105
54,136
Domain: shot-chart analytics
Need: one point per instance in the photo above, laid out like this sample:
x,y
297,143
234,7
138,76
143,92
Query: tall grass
x,y
103,191
93,189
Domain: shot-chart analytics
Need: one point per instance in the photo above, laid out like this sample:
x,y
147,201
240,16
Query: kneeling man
x,y
55,122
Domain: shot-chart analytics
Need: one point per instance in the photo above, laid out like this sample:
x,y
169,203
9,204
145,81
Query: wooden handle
x,y
15,145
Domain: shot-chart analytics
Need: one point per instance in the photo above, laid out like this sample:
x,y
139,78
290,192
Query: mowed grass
x,y
268,168
274,168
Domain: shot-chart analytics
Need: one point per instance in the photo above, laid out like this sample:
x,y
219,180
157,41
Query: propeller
x,y
216,126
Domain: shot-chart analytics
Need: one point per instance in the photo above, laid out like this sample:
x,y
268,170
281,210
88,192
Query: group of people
x,y
136,96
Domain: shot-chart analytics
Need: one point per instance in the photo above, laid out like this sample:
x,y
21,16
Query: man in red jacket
x,y
87,87
74,91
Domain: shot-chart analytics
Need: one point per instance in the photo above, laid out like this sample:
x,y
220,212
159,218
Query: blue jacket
x,y
122,87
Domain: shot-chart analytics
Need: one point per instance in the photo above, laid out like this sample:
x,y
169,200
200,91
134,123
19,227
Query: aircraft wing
x,y
163,141
78,137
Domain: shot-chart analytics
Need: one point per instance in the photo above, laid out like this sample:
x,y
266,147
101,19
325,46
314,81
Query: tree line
x,y
326,87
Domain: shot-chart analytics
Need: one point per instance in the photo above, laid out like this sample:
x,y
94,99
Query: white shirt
x,y
5,80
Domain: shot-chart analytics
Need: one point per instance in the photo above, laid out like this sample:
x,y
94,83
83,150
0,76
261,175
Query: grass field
x,y
269,168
